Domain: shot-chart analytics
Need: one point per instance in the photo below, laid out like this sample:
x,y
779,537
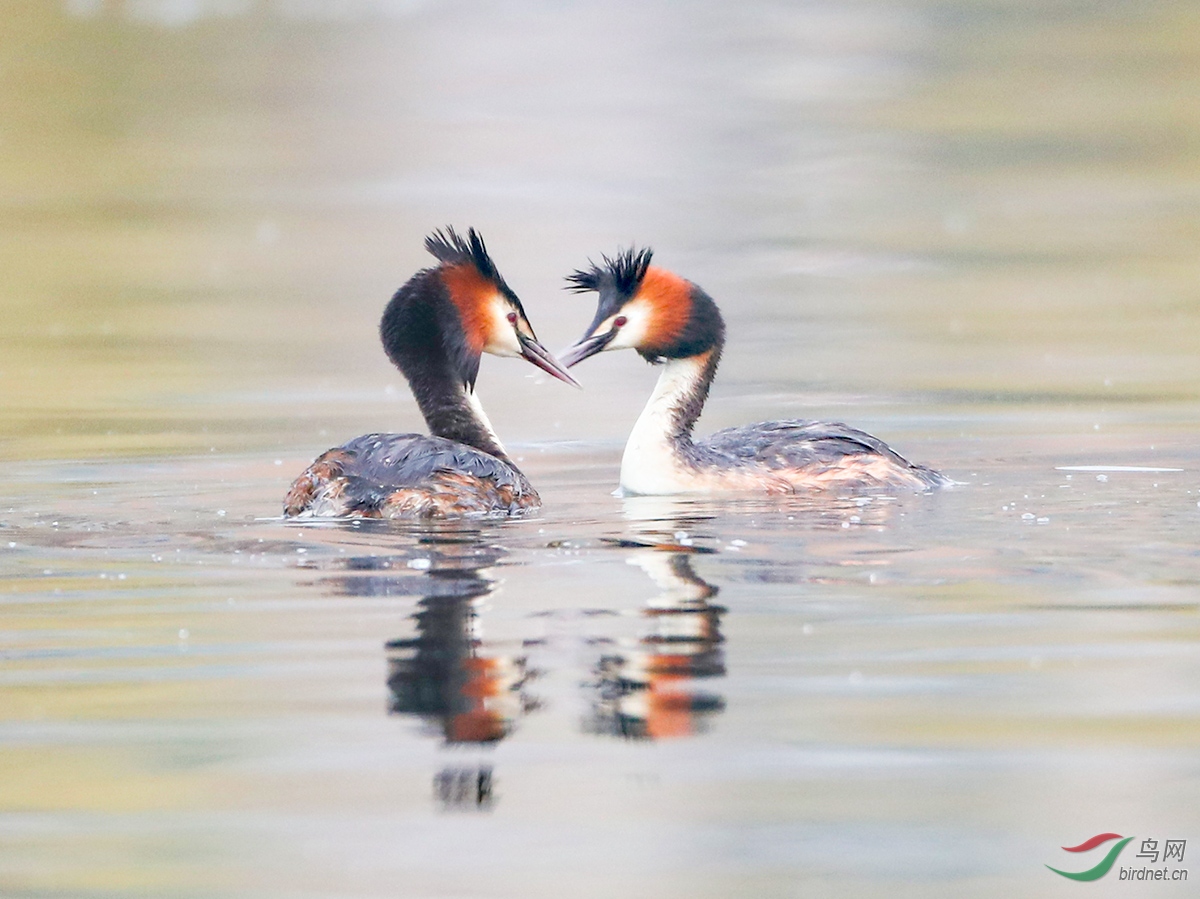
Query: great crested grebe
x,y
672,322
435,329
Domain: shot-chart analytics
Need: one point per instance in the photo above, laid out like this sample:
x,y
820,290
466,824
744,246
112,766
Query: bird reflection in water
x,y
648,691
446,675
443,675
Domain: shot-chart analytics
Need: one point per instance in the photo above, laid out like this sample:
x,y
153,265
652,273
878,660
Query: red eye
x,y
512,318
620,321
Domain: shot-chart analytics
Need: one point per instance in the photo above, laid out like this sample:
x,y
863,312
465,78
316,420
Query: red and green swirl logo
x,y
1105,863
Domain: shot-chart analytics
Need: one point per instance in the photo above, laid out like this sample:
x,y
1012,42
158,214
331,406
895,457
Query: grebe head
x,y
645,308
466,303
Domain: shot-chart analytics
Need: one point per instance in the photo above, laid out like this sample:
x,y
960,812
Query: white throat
x,y
652,463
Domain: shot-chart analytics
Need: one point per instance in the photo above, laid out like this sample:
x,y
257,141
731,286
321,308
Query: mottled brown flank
x,y
862,471
320,480
470,291
670,297
858,471
322,491
453,494
733,480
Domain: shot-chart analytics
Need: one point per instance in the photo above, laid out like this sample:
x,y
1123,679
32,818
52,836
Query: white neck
x,y
477,408
652,463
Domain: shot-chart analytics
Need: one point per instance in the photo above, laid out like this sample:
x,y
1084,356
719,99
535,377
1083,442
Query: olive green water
x,y
969,228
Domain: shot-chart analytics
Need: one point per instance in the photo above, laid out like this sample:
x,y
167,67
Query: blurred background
x,y
967,226
935,207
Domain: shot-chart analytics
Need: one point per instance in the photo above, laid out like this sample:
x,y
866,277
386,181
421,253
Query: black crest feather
x,y
451,248
624,273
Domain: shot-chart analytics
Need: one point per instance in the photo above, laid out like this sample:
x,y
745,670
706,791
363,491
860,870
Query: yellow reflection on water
x,y
972,225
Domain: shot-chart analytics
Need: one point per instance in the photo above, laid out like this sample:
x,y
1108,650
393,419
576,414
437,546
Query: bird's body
x,y
434,330
673,323
410,476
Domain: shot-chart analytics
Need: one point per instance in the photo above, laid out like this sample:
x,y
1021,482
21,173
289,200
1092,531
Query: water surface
x,y
967,228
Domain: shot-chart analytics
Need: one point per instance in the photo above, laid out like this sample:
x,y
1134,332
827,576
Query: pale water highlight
x,y
966,229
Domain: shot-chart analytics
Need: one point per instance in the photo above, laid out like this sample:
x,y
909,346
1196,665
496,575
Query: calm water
x,y
969,228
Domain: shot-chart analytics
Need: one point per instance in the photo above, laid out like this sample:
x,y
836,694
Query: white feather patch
x,y
651,464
